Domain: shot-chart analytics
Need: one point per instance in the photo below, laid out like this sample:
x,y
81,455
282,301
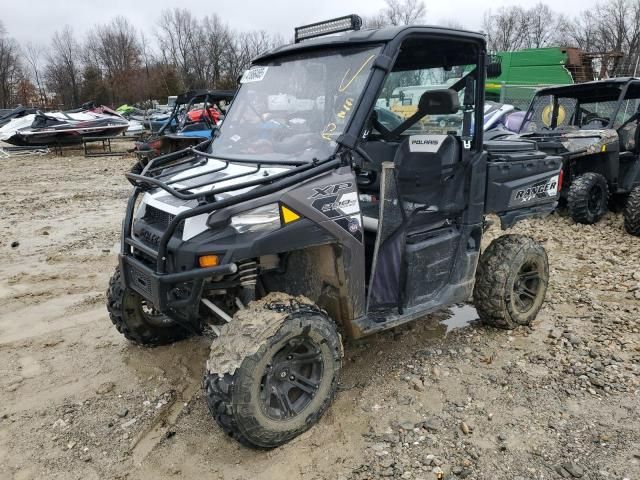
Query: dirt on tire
x,y
497,268
234,399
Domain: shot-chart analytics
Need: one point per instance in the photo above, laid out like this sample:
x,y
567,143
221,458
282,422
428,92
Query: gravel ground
x,y
441,398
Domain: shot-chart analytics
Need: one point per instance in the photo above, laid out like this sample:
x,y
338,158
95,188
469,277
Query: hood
x,y
193,226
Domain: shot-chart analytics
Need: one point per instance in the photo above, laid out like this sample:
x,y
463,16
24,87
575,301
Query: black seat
x,y
424,165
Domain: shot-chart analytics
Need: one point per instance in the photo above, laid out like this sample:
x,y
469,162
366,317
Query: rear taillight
x,y
560,179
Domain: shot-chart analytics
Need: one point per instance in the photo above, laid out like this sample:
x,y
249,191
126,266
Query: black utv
x,y
594,127
307,219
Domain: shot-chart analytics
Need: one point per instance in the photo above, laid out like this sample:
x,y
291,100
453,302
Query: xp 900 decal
x,y
340,203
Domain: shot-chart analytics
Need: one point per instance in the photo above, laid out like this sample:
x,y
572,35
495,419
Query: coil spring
x,y
248,273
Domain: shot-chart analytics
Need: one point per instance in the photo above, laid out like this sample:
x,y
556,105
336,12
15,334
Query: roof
x,y
578,87
359,37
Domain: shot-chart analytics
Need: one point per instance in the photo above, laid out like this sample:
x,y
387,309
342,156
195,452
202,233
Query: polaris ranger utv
x,y
308,218
594,127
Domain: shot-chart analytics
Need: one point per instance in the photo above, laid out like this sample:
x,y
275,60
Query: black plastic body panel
x,y
522,184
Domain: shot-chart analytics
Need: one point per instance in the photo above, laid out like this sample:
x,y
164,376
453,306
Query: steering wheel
x,y
594,118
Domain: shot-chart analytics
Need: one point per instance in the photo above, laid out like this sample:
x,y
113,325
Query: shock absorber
x,y
248,274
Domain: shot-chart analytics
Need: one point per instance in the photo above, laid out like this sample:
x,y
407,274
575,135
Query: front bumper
x,y
161,289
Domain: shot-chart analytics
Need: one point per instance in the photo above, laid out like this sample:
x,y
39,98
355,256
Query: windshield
x,y
587,111
294,108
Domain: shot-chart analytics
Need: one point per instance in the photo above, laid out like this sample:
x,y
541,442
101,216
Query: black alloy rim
x,y
595,199
526,288
291,380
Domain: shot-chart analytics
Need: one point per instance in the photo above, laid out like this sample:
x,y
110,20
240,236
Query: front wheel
x,y
588,198
632,212
137,319
273,372
511,281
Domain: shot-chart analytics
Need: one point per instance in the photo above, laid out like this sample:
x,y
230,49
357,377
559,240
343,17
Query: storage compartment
x,y
520,177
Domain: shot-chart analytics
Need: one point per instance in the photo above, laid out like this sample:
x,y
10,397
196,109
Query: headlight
x,y
259,219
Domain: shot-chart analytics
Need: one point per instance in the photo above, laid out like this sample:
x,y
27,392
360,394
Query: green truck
x,y
524,71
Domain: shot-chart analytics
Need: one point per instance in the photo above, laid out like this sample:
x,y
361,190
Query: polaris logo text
x,y
150,237
424,142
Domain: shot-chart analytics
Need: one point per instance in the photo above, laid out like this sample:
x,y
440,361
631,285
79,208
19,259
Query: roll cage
x,y
619,88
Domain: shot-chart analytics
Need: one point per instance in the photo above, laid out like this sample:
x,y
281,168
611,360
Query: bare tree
x,y
611,29
375,21
397,12
218,43
33,57
175,32
506,29
404,12
541,24
63,71
115,50
10,69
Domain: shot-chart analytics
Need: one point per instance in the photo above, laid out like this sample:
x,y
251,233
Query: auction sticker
x,y
254,74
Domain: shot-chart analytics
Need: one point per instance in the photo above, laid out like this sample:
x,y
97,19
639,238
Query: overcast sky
x,y
37,20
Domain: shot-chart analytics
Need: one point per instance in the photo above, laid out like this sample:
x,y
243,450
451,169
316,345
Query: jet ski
x,y
6,115
62,128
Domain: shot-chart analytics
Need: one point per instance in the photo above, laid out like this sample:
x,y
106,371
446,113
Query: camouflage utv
x,y
594,127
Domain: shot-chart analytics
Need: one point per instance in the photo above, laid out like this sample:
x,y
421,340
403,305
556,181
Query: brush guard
x,y
146,269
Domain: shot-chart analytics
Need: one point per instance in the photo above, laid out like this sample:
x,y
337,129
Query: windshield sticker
x,y
254,74
426,143
343,85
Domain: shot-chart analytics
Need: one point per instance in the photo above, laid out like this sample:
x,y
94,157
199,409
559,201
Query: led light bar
x,y
336,25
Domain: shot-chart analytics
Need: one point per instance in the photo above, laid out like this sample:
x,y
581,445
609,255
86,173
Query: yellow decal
x,y
343,87
328,130
346,107
288,215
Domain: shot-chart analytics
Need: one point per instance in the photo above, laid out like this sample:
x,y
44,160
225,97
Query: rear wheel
x,y
137,319
511,281
632,212
588,198
286,377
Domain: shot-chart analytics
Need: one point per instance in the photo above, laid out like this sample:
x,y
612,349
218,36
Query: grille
x,y
161,219
141,281
154,215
